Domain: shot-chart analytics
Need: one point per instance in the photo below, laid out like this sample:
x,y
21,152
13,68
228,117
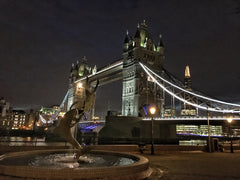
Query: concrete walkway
x,y
195,165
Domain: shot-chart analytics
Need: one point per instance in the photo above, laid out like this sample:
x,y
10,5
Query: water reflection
x,y
27,141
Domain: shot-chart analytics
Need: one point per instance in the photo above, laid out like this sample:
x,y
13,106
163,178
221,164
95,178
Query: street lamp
x,y
152,111
229,119
209,135
80,85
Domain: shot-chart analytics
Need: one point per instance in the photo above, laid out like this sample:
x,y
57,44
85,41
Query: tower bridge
x,y
135,94
145,83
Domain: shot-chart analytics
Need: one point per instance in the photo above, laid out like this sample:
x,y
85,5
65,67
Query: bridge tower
x,y
77,89
138,89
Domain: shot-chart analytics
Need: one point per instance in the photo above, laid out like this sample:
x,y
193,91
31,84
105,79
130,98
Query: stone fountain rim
x,y
137,170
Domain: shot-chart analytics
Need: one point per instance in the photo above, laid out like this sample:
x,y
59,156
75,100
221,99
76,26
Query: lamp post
x,y
209,135
80,89
152,111
229,119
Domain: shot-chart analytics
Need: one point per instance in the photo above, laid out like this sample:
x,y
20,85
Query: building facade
x,y
4,107
19,119
5,121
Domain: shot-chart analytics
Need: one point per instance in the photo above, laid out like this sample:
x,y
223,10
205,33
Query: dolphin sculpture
x,y
73,116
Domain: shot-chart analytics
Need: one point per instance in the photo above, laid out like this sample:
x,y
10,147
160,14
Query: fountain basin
x,y
121,166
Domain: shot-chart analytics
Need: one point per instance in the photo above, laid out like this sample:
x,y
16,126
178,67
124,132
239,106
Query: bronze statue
x,y
74,115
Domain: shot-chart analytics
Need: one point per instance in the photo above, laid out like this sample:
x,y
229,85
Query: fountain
x,y
78,163
60,164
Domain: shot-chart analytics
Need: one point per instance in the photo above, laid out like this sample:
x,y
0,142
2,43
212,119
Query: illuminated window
x,y
199,130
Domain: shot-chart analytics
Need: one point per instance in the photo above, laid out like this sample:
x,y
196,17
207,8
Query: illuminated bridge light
x,y
191,134
223,118
89,127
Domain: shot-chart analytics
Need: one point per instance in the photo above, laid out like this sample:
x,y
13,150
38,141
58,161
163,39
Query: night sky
x,y
40,39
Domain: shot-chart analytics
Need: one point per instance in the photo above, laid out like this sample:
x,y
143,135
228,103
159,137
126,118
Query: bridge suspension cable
x,y
61,106
190,92
206,102
63,102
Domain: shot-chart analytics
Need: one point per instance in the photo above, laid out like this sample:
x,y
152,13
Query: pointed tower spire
x,y
126,37
187,78
137,35
160,43
94,70
126,42
143,24
187,72
84,59
72,67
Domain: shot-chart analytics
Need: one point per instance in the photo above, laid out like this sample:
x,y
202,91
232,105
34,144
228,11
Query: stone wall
x,y
133,130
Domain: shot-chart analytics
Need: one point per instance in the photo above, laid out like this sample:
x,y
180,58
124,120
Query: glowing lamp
x,y
152,110
80,85
229,119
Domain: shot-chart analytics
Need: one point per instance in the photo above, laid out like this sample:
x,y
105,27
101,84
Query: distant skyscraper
x,y
187,79
188,110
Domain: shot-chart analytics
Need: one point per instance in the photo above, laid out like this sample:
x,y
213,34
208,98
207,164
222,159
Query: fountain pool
x,y
60,164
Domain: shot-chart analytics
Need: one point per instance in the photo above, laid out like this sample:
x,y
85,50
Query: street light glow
x,y
80,85
152,110
229,119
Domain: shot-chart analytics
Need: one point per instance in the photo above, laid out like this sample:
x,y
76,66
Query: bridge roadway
x,y
179,118
87,126
107,74
191,118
